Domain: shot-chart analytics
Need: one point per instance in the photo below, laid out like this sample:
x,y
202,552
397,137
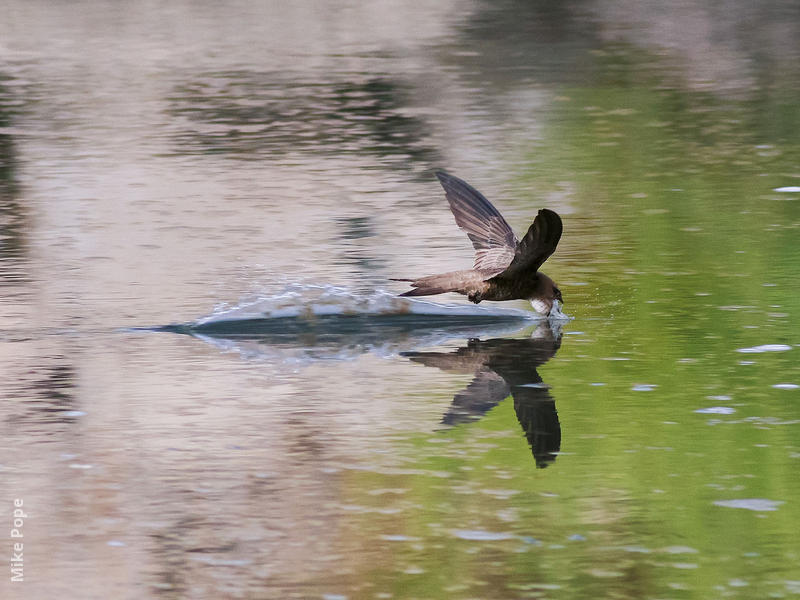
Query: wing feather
x,y
491,236
537,245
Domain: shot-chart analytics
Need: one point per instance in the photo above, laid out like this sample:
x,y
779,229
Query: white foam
x,y
788,189
304,300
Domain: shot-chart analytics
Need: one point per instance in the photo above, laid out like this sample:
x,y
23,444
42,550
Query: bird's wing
x,y
537,245
486,390
461,361
493,239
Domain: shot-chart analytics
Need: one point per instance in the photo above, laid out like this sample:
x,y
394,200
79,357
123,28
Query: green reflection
x,y
687,255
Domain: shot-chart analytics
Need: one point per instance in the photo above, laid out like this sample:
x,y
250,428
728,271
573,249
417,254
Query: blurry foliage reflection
x,y
677,216
247,114
46,395
12,213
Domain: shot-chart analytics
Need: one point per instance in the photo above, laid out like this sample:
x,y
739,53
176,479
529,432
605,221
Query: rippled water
x,y
211,390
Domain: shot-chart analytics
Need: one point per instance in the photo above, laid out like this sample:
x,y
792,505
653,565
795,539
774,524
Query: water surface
x,y
166,168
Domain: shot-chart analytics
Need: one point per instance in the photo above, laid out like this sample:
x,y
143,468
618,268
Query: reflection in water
x,y
363,263
309,338
247,114
48,395
557,34
12,215
502,367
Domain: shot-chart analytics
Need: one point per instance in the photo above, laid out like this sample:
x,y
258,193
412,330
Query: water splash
x,y
306,301
316,322
557,314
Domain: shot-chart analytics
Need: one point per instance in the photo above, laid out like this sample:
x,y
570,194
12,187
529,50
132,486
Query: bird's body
x,y
480,285
505,268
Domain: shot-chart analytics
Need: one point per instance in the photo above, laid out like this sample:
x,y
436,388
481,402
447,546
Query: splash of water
x,y
304,301
306,323
556,313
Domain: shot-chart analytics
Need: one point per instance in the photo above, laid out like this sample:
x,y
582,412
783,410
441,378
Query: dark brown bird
x,y
505,268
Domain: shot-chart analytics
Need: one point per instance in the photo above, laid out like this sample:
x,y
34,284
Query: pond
x,y
212,390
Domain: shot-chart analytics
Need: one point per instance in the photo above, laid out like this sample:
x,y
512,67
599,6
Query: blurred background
x,y
162,162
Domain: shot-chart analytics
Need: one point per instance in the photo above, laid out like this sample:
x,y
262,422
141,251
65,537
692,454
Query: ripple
x,y
604,573
636,549
222,562
73,413
644,387
501,494
478,535
716,410
756,504
765,348
680,550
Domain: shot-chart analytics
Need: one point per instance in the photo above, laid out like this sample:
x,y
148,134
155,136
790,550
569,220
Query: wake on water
x,y
313,322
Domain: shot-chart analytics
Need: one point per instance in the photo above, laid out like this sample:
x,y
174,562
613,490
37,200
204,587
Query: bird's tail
x,y
435,284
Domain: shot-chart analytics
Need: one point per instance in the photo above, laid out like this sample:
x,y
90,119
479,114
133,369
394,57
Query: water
x,y
211,390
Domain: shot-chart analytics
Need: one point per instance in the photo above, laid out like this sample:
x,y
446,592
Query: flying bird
x,y
505,268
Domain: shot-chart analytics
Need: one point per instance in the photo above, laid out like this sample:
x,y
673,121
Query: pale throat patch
x,y
540,306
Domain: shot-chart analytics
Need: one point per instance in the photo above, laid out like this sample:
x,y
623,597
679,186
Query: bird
x,y
505,267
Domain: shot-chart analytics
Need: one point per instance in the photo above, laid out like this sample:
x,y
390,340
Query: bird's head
x,y
547,299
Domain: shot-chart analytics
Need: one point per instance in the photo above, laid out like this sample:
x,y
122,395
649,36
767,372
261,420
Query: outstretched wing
x,y
537,245
493,239
486,390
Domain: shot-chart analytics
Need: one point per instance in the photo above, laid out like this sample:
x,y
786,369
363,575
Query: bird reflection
x,y
505,366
